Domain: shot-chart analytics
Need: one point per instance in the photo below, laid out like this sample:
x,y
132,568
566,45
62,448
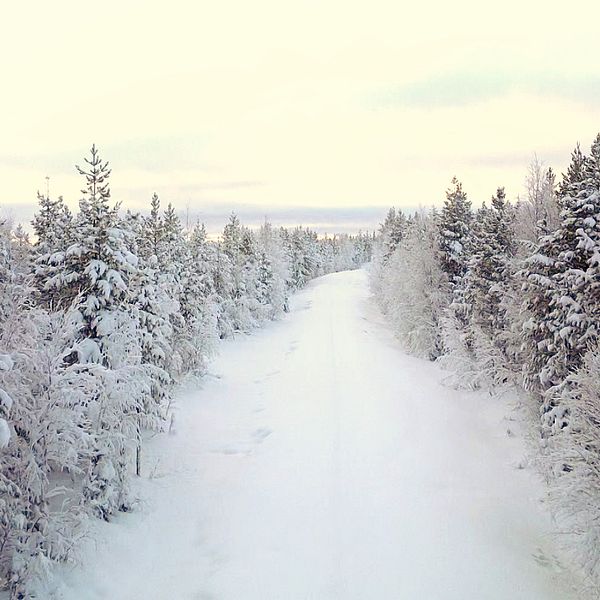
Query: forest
x,y
102,314
506,296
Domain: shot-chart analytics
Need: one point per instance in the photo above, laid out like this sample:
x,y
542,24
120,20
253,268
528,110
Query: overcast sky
x,y
277,106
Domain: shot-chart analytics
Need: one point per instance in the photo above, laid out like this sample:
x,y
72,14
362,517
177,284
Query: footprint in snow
x,y
232,451
292,348
260,435
268,375
272,373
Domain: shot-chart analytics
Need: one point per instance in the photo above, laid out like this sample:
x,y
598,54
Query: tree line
x,y
509,295
100,317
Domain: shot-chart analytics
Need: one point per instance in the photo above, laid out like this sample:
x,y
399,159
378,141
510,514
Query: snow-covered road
x,y
319,462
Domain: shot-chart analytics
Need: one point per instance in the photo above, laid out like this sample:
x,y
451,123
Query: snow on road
x,y
320,462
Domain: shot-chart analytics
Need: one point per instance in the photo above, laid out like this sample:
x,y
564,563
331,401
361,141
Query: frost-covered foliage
x,y
410,285
510,296
99,319
561,291
538,211
574,459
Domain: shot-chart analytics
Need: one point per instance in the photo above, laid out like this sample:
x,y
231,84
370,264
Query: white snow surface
x,y
4,434
320,462
5,400
6,362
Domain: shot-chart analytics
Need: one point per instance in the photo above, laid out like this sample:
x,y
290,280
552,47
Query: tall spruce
x,y
561,290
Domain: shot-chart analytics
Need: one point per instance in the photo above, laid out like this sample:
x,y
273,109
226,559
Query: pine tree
x,y
271,246
572,179
199,333
493,248
153,231
44,401
454,226
561,291
152,307
53,226
95,281
392,231
232,238
455,247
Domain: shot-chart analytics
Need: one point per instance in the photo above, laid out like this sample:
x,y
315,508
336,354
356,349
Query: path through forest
x,y
319,462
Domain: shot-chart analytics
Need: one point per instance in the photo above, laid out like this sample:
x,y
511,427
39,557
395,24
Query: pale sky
x,y
316,110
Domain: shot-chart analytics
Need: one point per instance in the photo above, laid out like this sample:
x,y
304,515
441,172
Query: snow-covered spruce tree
x,y
560,292
152,232
202,283
344,252
156,290
274,275
222,284
152,307
53,226
40,426
214,286
379,255
94,279
300,271
572,179
392,230
455,245
253,295
251,276
196,304
363,243
573,460
237,312
454,224
265,284
42,466
301,247
16,295
488,289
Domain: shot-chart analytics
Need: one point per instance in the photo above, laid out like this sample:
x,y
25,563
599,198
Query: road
x,y
319,462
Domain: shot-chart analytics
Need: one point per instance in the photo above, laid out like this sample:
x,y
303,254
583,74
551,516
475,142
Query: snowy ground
x,y
319,462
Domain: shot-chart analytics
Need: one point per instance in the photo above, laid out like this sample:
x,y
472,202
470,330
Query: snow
x,y
319,461
88,351
6,362
4,434
5,400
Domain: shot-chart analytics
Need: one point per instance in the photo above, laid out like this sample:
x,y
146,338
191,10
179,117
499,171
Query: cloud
x,y
326,219
160,154
156,154
464,87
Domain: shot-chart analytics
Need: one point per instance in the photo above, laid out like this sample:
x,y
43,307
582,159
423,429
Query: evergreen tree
x,y
561,296
94,280
454,226
493,248
572,179
392,231
53,226
271,247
